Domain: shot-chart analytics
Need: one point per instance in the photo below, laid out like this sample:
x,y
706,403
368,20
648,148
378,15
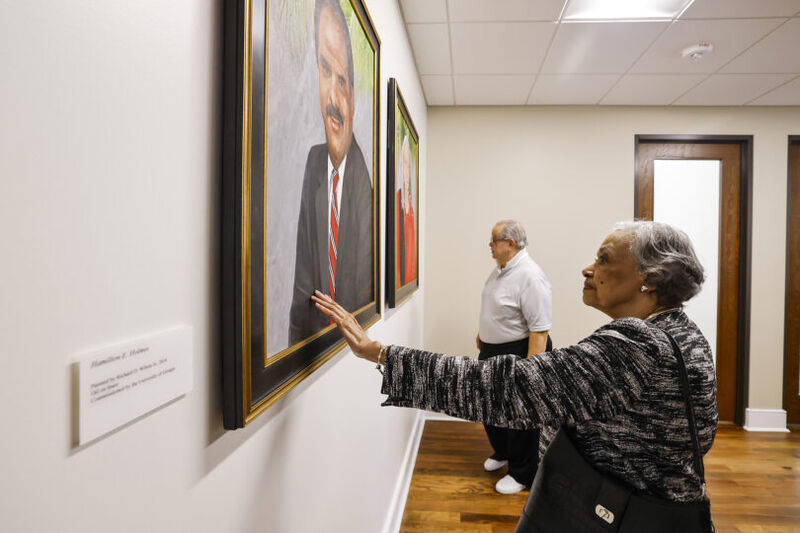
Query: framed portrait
x,y
402,207
300,208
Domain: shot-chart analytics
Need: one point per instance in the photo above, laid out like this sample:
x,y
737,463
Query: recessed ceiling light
x,y
603,10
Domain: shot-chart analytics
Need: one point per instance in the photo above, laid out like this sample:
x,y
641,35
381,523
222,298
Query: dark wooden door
x,y
731,342
791,368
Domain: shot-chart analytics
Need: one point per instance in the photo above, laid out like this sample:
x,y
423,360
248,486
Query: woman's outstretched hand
x,y
356,337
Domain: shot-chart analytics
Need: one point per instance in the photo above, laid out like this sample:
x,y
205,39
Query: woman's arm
x,y
593,379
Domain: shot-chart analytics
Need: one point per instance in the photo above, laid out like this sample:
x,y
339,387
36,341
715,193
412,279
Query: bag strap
x,y
698,457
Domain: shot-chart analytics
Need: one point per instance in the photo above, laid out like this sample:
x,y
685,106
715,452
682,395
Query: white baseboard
x,y
773,420
394,515
430,415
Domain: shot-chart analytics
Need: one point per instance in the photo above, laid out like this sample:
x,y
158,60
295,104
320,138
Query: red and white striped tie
x,y
333,235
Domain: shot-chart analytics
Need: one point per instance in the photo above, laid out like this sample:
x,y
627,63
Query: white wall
x,y
568,173
109,215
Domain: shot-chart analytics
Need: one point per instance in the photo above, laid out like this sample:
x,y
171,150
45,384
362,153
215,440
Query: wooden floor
x,y
753,481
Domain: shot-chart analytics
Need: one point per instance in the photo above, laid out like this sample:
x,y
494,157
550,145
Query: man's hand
x,y
478,341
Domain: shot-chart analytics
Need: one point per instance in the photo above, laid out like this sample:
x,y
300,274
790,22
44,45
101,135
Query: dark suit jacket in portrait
x,y
354,272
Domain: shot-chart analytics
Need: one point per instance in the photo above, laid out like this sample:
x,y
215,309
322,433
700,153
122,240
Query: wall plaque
x,y
119,383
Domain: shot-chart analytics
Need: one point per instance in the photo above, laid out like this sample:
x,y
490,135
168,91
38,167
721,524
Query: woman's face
x,y
612,283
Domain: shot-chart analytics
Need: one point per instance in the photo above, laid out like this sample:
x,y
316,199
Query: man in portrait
x,y
406,251
334,230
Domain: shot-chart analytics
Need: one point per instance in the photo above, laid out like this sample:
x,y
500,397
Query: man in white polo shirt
x,y
516,315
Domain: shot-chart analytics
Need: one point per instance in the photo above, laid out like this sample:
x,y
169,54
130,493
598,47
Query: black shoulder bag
x,y
569,495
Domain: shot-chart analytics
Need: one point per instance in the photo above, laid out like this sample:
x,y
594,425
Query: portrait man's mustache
x,y
333,112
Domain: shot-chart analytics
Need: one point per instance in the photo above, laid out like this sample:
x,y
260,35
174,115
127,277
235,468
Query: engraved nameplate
x,y
122,382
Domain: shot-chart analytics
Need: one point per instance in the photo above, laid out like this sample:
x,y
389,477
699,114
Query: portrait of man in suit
x,y
334,247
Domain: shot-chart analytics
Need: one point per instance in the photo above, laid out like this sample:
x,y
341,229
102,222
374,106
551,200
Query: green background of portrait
x,y
297,13
401,129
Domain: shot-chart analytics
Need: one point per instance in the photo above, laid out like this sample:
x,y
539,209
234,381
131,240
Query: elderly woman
x,y
617,393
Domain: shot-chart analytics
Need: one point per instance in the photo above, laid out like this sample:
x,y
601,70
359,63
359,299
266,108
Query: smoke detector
x,y
697,51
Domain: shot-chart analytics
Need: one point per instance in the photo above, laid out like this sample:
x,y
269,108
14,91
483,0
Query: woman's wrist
x,y
373,352
381,358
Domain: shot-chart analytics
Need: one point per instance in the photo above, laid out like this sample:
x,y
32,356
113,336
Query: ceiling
x,y
518,52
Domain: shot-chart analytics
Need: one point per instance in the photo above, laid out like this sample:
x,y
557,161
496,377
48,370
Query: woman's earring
x,y
644,288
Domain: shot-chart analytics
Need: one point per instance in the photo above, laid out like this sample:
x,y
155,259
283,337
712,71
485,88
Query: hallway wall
x,y
110,146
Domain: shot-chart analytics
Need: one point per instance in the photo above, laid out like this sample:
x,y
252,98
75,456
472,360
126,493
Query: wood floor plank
x,y
753,481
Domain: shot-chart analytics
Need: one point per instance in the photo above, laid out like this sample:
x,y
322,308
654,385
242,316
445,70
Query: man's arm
x,y
301,310
537,342
536,305
361,188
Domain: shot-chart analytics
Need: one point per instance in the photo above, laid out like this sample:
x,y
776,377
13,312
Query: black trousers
x,y
519,446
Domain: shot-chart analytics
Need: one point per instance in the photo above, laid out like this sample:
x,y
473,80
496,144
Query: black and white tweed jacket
x,y
617,392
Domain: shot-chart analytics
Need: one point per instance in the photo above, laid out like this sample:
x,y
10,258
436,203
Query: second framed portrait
x,y
300,190
402,209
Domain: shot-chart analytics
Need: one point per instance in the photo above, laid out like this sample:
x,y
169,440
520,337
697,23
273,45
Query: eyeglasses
x,y
497,240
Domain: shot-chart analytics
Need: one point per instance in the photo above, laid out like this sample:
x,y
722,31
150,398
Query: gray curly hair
x,y
666,260
511,229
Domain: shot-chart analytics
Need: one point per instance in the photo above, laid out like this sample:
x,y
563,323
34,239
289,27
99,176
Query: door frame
x,y
745,143
791,314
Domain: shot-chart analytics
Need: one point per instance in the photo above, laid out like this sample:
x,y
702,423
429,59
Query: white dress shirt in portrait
x,y
338,186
